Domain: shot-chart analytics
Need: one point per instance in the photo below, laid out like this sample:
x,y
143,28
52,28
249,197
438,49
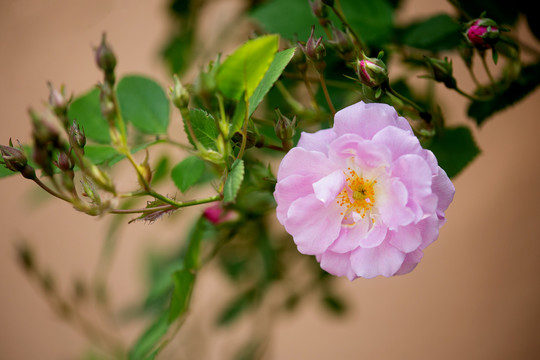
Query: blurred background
x,y
475,295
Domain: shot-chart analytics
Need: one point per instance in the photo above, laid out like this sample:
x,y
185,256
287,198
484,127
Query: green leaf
x,y
143,103
455,148
244,69
102,154
4,171
204,127
292,19
183,286
437,33
234,180
237,307
143,349
527,81
86,110
273,73
186,173
371,19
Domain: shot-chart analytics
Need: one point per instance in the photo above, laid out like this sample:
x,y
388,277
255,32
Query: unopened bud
x,y
44,132
372,72
442,71
483,33
13,158
58,101
285,127
315,50
105,59
320,11
145,171
179,94
65,161
343,44
77,136
90,192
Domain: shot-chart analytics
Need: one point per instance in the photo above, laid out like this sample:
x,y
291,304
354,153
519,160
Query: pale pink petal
x,y
327,189
337,264
429,228
350,237
367,119
392,204
398,141
406,238
381,260
313,225
444,189
366,153
414,173
317,141
411,260
375,236
288,190
300,161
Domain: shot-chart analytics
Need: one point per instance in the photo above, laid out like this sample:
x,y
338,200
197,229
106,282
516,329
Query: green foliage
x,y
86,110
204,127
455,148
144,104
527,81
243,70
187,172
437,33
234,180
373,20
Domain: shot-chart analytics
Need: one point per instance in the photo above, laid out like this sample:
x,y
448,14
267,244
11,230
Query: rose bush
x,y
363,197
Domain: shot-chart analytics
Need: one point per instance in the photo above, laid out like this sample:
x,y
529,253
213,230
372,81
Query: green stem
x,y
327,95
486,67
244,129
404,99
181,204
51,191
339,13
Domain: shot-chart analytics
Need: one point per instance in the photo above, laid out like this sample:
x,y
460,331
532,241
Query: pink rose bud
x,y
372,72
217,215
483,33
363,197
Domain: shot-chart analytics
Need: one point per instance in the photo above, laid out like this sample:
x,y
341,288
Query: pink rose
x,y
483,33
364,197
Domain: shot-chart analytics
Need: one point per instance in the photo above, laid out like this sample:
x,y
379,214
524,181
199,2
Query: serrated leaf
x,y
273,73
187,172
204,127
527,81
144,104
454,149
86,110
234,181
244,69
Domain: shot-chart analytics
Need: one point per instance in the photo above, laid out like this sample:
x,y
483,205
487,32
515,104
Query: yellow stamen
x,y
363,194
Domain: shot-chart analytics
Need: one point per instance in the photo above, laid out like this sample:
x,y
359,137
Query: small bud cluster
x,y
315,51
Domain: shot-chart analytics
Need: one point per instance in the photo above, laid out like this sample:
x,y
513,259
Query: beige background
x,y
476,294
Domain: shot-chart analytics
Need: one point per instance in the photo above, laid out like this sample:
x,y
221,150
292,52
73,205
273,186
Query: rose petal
x,y
411,260
406,238
300,161
328,188
337,264
317,141
288,190
313,225
398,141
381,260
391,202
444,189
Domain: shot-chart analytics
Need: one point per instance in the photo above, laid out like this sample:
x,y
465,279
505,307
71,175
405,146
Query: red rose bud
x,y
483,33
372,72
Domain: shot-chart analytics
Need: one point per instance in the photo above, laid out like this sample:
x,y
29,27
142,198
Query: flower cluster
x,y
364,197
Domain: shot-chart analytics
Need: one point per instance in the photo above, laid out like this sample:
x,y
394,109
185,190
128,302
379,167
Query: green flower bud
x,y
285,127
372,72
105,59
76,135
179,94
442,71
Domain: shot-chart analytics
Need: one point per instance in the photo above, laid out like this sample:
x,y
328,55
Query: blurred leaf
x,y
144,103
86,110
237,307
280,61
183,287
179,52
204,127
455,148
373,20
526,82
436,33
244,69
4,171
144,346
102,154
502,11
161,169
186,173
234,180
334,304
292,19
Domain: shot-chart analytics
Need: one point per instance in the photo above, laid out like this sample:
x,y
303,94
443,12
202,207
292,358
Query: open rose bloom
x,y
364,197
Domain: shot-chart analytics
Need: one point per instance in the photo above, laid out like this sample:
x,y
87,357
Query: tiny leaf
x,y
186,173
144,103
234,180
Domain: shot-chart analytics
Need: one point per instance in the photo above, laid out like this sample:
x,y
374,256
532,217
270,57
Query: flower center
x,y
358,196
